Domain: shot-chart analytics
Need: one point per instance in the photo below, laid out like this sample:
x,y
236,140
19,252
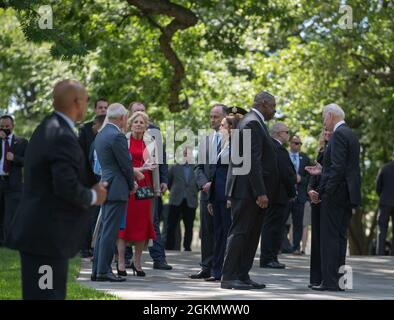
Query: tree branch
x,y
183,19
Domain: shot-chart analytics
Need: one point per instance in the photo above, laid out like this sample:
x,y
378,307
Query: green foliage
x,y
10,280
294,48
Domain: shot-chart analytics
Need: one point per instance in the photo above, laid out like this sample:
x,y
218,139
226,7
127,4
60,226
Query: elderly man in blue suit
x,y
117,170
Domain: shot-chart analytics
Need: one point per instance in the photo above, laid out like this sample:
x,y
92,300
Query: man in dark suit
x,y
250,193
117,169
87,133
12,153
277,213
340,192
183,200
53,215
300,161
205,171
385,190
157,251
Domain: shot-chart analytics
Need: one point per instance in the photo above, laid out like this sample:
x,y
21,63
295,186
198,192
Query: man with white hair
x,y
339,192
117,168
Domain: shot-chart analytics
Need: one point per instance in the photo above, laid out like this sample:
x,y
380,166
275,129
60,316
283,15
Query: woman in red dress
x,y
138,229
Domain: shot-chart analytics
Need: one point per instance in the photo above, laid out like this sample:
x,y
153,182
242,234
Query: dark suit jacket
x,y
385,185
204,171
263,177
18,147
302,186
341,179
180,188
86,138
52,218
287,174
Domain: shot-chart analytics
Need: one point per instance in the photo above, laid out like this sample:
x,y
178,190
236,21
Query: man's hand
x,y
163,187
262,201
2,134
10,156
228,205
206,187
314,170
210,209
298,178
101,192
314,196
135,188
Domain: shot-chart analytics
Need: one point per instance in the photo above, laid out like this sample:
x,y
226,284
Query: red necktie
x,y
6,164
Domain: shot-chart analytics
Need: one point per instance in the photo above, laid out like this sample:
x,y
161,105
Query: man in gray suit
x,y
117,170
183,200
205,171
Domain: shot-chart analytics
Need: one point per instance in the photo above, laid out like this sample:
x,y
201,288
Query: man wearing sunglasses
x,y
300,161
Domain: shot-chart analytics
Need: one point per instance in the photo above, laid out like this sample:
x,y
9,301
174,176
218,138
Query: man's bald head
x,y
70,97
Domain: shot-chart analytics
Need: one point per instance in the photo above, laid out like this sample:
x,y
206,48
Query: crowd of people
x,y
99,192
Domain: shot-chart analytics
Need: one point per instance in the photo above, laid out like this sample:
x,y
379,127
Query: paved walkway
x,y
373,278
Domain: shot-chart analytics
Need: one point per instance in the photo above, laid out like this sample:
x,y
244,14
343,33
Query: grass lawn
x,y
10,280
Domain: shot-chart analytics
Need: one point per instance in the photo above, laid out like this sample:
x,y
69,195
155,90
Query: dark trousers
x,y
187,214
334,223
112,214
274,226
315,268
385,213
43,278
207,237
87,242
9,201
221,226
157,251
297,217
243,239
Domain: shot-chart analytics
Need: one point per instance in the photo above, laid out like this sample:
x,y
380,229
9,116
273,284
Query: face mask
x,y
6,131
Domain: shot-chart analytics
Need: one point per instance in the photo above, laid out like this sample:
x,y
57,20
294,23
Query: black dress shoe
x,y
202,274
161,265
322,287
313,285
273,265
93,277
109,278
236,285
212,279
254,284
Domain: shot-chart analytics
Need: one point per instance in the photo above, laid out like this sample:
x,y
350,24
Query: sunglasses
x,y
297,143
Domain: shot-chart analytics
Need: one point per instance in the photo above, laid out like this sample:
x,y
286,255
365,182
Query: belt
x,y
4,177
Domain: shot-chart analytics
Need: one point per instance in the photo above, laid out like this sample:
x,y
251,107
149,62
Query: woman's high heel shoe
x,y
120,272
139,273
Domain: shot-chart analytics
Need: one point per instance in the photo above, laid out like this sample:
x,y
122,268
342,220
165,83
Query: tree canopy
x,y
180,57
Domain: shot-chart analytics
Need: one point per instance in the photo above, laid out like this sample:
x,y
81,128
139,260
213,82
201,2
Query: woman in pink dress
x,y
138,228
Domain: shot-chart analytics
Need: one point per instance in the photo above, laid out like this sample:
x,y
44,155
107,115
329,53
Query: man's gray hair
x,y
276,128
116,111
262,97
334,109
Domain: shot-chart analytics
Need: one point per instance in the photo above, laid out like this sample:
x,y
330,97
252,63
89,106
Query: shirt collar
x,y
70,123
115,126
259,114
339,124
279,141
294,153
